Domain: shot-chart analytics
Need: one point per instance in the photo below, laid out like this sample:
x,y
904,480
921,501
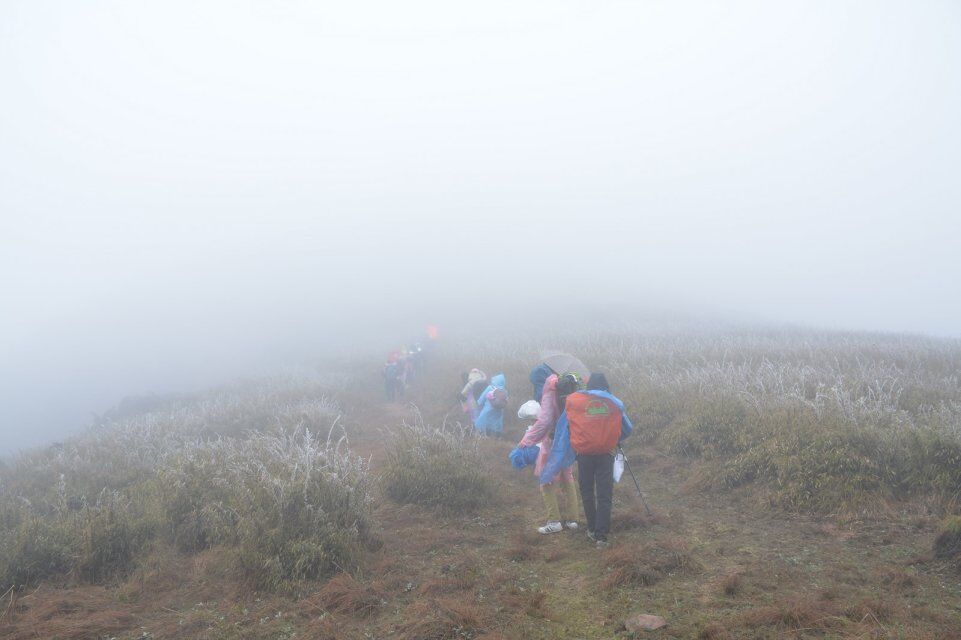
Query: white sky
x,y
187,187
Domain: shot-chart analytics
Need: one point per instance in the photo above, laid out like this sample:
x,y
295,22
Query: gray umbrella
x,y
561,362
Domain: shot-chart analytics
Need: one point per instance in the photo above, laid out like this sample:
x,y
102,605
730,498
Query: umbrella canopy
x,y
561,362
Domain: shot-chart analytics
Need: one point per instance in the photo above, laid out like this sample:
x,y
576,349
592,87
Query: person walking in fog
x,y
391,373
558,490
597,423
474,384
491,405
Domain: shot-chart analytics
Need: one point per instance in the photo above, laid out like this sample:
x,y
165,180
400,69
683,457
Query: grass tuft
x,y
628,565
947,544
732,584
441,468
345,594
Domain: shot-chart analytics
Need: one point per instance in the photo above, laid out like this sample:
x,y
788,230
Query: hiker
x,y
538,377
391,375
491,405
474,384
597,423
560,495
526,456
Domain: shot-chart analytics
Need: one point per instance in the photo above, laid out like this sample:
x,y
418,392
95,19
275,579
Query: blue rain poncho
x,y
522,457
562,454
490,419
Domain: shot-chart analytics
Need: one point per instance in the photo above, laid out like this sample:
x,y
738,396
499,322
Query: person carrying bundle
x,y
474,384
557,488
491,405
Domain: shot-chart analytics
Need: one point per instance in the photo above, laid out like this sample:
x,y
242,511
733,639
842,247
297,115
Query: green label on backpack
x,y
597,409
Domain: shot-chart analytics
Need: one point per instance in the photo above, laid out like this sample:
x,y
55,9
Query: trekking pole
x,y
640,493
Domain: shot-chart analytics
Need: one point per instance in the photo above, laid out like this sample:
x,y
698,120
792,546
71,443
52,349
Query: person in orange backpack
x,y
597,423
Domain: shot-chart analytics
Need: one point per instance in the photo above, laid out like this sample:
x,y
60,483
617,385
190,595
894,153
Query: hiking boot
x,y
571,525
602,544
551,527
590,536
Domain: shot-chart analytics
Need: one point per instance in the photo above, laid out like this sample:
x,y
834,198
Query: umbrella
x,y
561,362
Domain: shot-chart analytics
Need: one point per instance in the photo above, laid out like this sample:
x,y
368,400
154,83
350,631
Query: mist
x,y
190,192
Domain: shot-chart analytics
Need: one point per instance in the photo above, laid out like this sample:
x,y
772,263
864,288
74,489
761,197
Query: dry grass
x,y
879,609
435,586
442,619
947,544
634,520
529,601
345,594
524,546
897,579
732,584
801,612
645,565
714,631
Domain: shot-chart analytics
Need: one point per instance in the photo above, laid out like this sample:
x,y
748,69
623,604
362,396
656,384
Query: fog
x,y
194,191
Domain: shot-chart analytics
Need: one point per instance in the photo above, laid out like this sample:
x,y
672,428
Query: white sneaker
x,y
571,525
551,527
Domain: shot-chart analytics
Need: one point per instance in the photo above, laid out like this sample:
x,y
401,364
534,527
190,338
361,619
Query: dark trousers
x,y
596,473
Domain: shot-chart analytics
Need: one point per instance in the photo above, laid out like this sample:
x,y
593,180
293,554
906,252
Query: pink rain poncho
x,y
541,431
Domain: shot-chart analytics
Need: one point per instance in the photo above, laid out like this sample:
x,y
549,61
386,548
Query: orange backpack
x,y
595,423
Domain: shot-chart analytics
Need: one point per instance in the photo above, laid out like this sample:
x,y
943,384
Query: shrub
x,y
96,541
441,468
37,548
236,466
110,536
947,544
716,427
296,508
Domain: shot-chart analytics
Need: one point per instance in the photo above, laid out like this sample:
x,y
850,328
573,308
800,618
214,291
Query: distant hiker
x,y
491,405
391,375
474,384
597,422
406,364
560,495
539,376
417,356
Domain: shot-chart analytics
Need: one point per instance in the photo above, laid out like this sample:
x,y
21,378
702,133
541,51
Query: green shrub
x,y
715,426
947,544
295,509
37,548
304,511
195,497
95,542
110,536
441,468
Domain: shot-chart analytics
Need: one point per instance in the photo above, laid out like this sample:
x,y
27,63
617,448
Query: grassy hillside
x,y
803,485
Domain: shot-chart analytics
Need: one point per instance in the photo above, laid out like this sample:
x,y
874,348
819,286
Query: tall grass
x,y
438,467
817,420
240,467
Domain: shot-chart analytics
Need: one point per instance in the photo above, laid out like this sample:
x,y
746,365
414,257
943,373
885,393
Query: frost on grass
x,y
240,467
814,420
438,467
